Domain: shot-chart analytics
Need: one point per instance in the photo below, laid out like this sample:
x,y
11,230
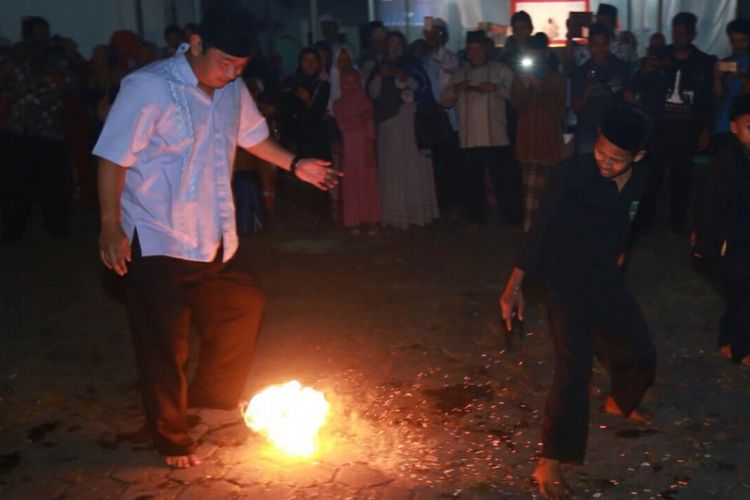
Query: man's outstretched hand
x,y
318,173
511,304
511,301
114,248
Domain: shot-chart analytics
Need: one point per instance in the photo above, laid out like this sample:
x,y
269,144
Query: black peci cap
x,y
627,127
228,26
606,9
687,19
478,36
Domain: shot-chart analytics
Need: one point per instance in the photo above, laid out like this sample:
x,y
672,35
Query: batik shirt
x,y
35,99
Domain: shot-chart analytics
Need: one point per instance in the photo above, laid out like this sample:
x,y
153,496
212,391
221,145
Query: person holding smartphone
x,y
538,97
731,73
598,85
440,64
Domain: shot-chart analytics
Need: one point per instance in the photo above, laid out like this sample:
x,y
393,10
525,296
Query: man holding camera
x,y
598,86
538,97
577,54
440,64
731,74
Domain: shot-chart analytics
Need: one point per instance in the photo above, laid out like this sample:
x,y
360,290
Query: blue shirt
x,y
178,145
732,87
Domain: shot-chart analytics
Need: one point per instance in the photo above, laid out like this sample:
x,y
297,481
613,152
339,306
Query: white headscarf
x,y
335,76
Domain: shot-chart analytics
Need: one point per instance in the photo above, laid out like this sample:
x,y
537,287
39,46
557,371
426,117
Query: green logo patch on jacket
x,y
633,209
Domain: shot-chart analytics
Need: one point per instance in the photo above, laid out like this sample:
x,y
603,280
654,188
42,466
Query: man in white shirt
x,y
440,64
479,92
168,220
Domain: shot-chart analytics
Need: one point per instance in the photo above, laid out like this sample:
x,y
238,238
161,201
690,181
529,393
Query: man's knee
x,y
258,299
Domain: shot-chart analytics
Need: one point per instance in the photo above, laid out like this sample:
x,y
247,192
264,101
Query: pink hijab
x,y
353,95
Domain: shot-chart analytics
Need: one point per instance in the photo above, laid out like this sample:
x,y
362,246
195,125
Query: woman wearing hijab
x,y
343,60
407,186
302,114
303,103
354,114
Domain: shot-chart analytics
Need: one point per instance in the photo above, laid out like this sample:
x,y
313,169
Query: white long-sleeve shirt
x,y
482,117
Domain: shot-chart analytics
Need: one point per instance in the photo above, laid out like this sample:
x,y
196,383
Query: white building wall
x,y
464,15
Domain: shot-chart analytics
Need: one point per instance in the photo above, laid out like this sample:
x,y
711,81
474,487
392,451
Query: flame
x,y
290,416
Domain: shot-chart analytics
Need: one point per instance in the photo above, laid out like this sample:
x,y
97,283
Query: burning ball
x,y
289,416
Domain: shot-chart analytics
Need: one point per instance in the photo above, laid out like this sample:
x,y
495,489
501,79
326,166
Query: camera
x,y
578,24
532,66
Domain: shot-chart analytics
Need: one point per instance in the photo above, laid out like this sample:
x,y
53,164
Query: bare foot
x,y
181,461
549,476
726,351
636,416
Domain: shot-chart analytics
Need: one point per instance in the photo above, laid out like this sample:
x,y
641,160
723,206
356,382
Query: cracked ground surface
x,y
429,397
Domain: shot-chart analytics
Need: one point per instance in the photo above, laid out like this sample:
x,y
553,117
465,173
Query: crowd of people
x,y
421,128
408,128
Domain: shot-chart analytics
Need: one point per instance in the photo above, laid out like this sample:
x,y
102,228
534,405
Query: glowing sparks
x,y
290,416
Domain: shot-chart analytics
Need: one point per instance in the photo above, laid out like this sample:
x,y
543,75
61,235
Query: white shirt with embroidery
x,y
178,146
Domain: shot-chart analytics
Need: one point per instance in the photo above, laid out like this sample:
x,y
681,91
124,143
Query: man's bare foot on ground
x,y
549,476
726,351
181,461
636,416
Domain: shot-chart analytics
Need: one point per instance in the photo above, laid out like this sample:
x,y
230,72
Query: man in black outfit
x,y
36,85
577,245
597,86
684,128
723,230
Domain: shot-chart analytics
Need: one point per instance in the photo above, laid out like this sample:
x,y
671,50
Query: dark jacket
x,y
723,221
695,90
583,224
304,129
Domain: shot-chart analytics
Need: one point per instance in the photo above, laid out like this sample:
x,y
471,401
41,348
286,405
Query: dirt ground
x,y
429,397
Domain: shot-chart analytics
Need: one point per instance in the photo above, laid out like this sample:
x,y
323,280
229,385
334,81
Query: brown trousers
x,y
166,295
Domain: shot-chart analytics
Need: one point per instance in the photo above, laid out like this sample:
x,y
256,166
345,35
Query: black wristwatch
x,y
293,166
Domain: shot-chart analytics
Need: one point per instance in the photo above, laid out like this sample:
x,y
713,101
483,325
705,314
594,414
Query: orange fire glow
x,y
290,416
